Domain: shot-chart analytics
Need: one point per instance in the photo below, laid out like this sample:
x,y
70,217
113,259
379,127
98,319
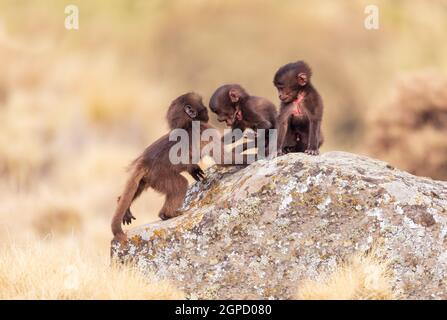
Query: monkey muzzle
x,y
283,98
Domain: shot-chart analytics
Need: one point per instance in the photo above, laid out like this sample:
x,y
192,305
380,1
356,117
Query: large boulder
x,y
256,232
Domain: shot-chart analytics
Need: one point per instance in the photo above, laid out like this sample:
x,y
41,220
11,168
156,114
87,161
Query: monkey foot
x,y
128,217
165,216
312,152
121,238
162,216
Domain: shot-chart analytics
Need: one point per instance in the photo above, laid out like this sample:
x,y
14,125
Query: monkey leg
x,y
128,216
321,139
175,188
124,202
297,147
293,143
266,147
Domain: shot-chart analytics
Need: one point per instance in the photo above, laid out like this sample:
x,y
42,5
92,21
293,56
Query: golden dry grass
x,y
362,277
58,220
410,130
63,270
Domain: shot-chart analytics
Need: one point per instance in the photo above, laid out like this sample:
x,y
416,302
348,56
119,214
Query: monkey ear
x,y
302,79
190,111
234,95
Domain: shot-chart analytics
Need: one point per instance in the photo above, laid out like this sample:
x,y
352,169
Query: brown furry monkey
x,y
301,112
153,168
239,110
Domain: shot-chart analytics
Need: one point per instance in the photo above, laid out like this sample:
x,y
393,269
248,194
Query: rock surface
x,y
257,232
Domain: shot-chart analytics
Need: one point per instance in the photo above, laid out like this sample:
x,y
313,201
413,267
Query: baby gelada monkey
x,y
154,169
301,111
239,110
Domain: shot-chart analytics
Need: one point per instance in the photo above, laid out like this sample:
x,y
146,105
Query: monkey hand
x,y
197,173
312,152
128,217
250,134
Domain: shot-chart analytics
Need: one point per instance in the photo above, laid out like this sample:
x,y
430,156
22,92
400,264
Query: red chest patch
x,y
297,108
238,115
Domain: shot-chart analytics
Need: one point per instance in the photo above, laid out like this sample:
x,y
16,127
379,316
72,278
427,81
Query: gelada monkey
x,y
154,169
301,111
234,106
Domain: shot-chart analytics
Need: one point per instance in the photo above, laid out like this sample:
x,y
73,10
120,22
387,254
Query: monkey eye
x,y
190,111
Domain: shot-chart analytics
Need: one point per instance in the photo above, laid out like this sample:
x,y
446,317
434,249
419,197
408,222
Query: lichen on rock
x,y
258,231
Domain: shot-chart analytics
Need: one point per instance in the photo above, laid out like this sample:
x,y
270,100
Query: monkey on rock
x,y
153,168
239,110
301,111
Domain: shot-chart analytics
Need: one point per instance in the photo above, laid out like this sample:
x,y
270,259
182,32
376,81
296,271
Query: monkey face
x,y
290,79
287,90
225,100
223,108
226,114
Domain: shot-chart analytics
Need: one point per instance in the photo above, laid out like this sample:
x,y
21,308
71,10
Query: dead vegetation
x,y
410,131
61,270
362,277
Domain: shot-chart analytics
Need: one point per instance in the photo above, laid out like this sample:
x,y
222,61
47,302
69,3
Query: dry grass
x,y
63,270
58,220
410,131
363,277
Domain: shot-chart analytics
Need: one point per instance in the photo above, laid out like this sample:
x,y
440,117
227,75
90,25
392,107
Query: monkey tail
x,y
125,200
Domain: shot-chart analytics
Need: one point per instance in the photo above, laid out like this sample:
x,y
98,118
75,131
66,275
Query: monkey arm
x,y
228,158
125,200
314,129
263,124
225,141
282,131
256,118
219,154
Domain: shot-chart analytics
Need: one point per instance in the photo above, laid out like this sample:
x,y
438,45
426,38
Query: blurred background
x,y
76,106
